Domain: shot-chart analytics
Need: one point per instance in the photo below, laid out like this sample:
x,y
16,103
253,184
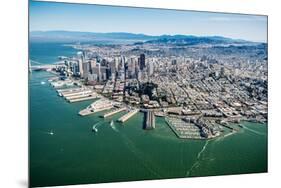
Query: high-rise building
x,y
86,69
75,68
99,72
93,63
116,63
80,58
142,61
150,68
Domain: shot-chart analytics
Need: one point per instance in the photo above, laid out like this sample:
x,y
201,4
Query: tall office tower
x,y
93,63
142,61
84,54
150,68
99,72
75,68
131,68
113,67
123,61
80,63
86,69
116,64
108,73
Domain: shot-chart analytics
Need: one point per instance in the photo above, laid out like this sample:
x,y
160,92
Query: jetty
x,y
149,120
97,106
128,115
70,94
111,113
83,98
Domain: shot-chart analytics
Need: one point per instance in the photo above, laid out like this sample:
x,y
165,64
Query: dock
x,y
69,90
114,112
69,94
82,99
183,129
149,120
128,115
97,106
89,111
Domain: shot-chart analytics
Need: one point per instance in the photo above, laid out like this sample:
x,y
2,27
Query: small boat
x,y
111,123
51,133
94,129
42,82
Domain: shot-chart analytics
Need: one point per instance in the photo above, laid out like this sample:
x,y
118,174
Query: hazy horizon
x,y
152,22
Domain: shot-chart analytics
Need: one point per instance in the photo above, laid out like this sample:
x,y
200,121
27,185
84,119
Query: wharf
x,y
114,112
128,115
97,106
69,94
149,120
84,98
89,111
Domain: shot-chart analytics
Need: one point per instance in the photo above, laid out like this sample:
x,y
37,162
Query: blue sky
x,y
45,16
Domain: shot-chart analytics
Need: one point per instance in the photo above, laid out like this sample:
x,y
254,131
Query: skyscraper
x,y
142,61
80,63
150,68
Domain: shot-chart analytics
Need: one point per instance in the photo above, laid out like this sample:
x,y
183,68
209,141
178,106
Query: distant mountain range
x,y
122,37
73,36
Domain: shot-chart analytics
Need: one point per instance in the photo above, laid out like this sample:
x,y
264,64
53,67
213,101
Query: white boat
x,y
51,133
111,123
94,129
42,83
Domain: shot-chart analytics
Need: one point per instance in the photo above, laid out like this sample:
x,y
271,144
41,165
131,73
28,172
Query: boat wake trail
x,y
139,155
97,124
253,131
45,132
197,163
114,127
203,149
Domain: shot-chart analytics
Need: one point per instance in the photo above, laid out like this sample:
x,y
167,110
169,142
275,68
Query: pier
x,y
75,93
128,115
149,120
82,99
114,112
62,91
97,106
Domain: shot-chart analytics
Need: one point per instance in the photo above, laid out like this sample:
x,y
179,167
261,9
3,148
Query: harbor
x,y
184,129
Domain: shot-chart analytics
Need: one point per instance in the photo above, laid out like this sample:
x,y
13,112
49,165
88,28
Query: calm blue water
x,y
47,53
